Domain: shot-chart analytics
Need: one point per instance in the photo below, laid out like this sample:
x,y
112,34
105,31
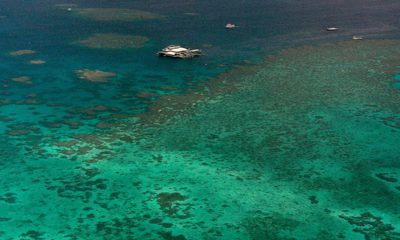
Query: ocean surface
x,y
281,130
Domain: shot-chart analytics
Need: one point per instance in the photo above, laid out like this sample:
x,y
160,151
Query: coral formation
x,y
37,62
96,76
271,151
113,41
116,14
22,52
371,227
23,79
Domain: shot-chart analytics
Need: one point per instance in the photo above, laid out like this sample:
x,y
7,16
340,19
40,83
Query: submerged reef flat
x,y
303,145
22,79
37,62
96,76
295,144
113,41
116,14
66,6
22,52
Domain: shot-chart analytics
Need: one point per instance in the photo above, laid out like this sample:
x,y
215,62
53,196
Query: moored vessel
x,y
176,51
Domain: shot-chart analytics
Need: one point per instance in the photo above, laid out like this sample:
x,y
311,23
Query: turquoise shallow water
x,y
308,158
233,145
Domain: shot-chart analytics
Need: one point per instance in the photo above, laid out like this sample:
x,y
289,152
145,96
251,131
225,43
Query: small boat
x,y
357,38
230,26
331,29
176,51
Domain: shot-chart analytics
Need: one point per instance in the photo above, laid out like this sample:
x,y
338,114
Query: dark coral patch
x,y
313,199
156,221
32,234
8,198
21,130
78,188
385,177
118,228
170,236
173,204
70,143
371,227
72,124
166,200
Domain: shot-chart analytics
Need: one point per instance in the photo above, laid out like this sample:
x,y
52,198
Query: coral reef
x,y
270,226
37,62
22,52
371,227
116,14
271,151
22,79
113,41
96,76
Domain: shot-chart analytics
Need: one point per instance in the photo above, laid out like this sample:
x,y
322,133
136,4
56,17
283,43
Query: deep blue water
x,y
264,27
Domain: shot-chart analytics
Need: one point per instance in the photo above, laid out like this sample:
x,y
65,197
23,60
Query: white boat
x,y
357,38
176,51
230,26
332,29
